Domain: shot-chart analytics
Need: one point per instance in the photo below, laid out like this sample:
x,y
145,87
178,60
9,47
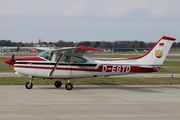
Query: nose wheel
x,y
29,84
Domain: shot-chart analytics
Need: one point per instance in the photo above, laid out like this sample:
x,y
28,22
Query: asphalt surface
x,y
91,102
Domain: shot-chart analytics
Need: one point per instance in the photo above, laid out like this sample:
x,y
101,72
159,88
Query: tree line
x,y
96,44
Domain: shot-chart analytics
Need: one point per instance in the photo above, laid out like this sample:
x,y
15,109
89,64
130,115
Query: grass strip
x,y
94,81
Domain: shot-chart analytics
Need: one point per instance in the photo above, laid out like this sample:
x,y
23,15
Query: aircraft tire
x,y
69,86
28,85
57,84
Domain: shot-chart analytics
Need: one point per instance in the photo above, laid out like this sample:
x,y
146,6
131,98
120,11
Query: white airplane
x,y
70,62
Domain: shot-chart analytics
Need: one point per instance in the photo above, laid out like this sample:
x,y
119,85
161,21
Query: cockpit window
x,y
77,59
73,59
46,54
65,58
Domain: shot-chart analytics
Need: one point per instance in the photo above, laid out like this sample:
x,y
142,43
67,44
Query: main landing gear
x,y
68,86
57,84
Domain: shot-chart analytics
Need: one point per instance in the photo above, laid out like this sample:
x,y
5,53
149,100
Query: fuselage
x,y
75,66
71,62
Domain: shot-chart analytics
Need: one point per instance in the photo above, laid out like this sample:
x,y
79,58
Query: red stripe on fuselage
x,y
101,68
31,58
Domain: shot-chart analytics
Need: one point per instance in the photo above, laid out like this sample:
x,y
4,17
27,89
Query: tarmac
x,y
90,102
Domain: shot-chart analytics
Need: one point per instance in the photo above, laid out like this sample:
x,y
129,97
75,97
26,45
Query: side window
x,y
79,60
57,57
67,59
63,59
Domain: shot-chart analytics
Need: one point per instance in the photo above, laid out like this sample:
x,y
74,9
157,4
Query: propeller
x,y
10,61
12,58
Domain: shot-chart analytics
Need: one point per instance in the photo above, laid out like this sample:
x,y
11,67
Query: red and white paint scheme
x,y
70,62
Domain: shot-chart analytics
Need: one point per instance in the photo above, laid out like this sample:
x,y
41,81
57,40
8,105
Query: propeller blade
x,y
12,58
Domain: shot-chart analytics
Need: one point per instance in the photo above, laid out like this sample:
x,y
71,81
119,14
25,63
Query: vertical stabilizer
x,y
157,54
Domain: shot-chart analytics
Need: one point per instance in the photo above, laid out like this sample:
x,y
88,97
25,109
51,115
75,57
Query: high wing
x,y
63,51
42,48
78,48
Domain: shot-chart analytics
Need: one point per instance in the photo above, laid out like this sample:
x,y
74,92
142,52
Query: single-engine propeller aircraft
x,y
70,62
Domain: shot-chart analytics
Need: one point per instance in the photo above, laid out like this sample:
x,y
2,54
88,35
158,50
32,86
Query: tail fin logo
x,y
159,53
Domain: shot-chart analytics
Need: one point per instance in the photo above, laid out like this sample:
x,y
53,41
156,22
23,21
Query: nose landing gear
x,y
29,84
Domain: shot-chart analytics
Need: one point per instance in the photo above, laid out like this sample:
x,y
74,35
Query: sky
x,y
89,20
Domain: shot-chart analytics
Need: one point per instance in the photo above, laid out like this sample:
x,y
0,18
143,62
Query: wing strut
x,y
52,71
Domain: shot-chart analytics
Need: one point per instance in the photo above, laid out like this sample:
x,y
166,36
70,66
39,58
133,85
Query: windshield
x,y
46,54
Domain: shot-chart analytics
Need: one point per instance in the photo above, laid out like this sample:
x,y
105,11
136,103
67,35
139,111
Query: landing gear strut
x,y
57,84
29,84
69,86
